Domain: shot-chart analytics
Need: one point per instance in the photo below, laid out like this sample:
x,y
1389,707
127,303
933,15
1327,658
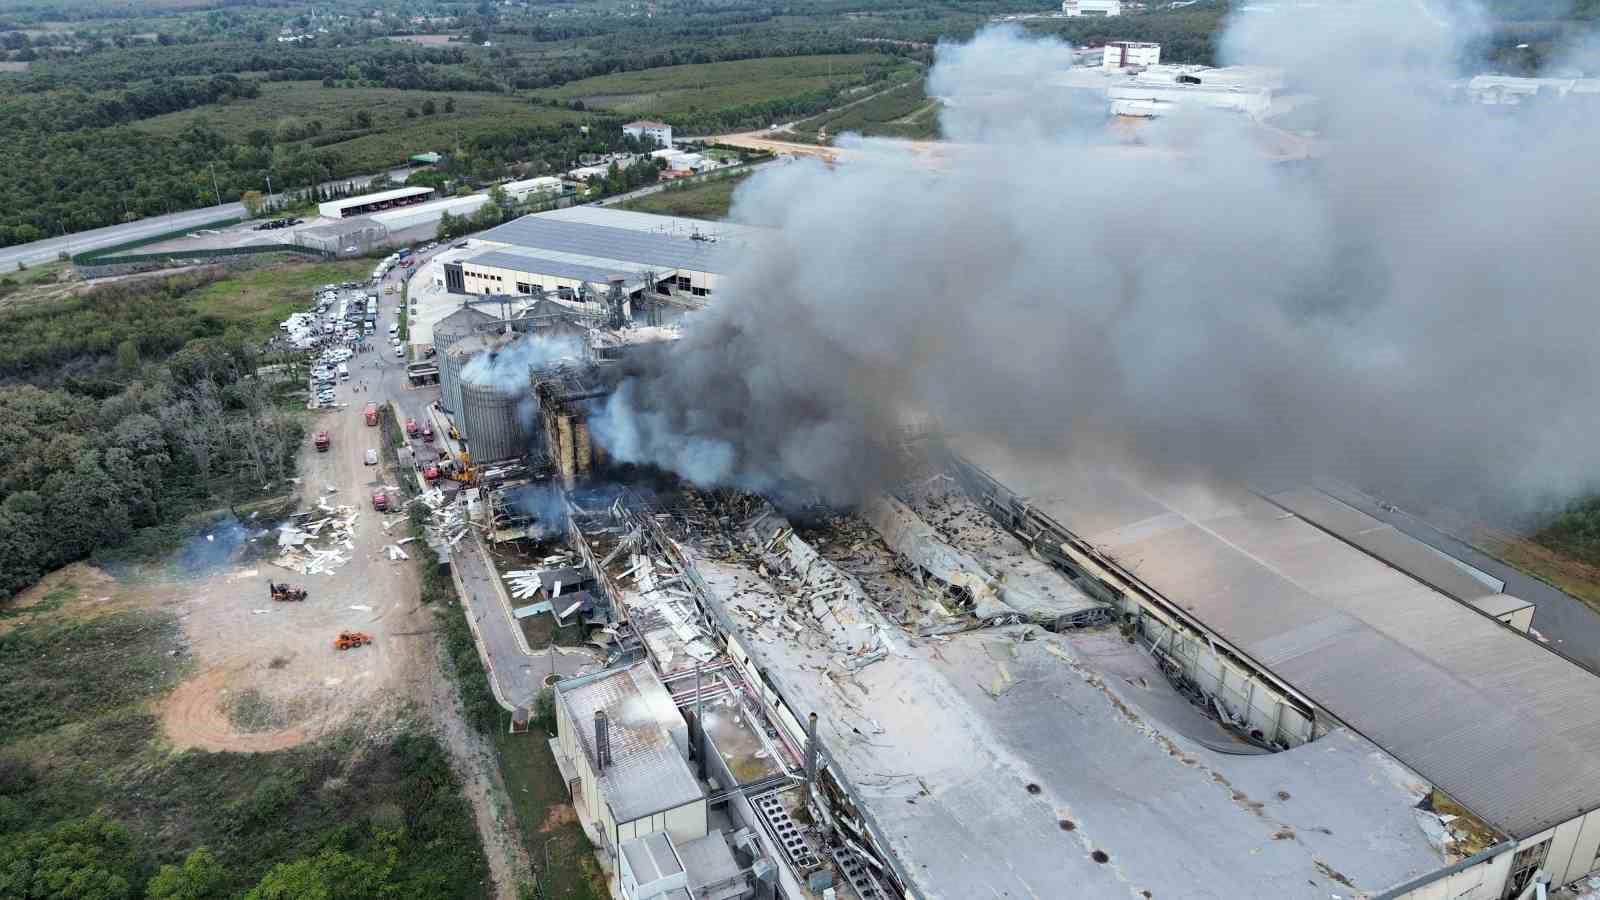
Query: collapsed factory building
x,y
1010,676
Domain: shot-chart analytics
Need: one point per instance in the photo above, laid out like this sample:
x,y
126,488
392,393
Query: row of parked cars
x,y
332,367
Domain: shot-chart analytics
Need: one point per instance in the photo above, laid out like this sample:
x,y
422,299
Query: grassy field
x,y
392,136
546,820
905,112
258,299
701,200
81,740
711,86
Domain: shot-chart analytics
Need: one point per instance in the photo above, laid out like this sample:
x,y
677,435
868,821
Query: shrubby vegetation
x,y
122,412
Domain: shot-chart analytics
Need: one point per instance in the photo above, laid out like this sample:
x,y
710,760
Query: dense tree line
x,y
114,68
121,412
74,110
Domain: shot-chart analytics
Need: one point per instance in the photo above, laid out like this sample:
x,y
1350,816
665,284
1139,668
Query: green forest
x,y
122,412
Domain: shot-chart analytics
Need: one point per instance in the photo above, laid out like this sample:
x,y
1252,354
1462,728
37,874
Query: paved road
x,y
49,249
660,186
1571,626
517,672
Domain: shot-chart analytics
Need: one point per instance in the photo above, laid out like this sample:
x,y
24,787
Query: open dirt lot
x,y
280,657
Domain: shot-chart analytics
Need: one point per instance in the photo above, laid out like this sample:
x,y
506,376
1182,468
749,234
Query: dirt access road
x,y
267,676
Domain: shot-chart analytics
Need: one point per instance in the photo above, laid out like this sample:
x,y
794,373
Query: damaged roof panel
x,y
1495,720
997,763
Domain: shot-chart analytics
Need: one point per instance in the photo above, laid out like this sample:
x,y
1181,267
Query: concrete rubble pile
x,y
908,535
318,546
660,593
817,598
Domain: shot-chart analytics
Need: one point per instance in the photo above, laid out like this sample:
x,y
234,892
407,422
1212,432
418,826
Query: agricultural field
x,y
904,112
673,91
701,200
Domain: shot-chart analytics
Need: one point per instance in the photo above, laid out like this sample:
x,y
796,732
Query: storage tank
x,y
494,420
462,323
461,352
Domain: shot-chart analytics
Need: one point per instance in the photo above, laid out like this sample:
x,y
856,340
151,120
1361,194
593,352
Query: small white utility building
x,y
1075,8
519,191
1123,54
622,747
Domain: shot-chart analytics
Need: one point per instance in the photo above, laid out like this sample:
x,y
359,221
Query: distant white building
x,y
1510,90
1162,90
1075,8
660,132
522,190
1123,54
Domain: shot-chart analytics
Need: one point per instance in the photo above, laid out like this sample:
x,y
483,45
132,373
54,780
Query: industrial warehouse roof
x,y
999,762
648,773
533,264
379,197
1484,713
603,246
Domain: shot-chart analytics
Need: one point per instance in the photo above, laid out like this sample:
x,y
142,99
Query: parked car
x,y
372,457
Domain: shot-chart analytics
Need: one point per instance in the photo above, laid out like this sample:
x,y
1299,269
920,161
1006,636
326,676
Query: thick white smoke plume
x,y
508,367
1413,307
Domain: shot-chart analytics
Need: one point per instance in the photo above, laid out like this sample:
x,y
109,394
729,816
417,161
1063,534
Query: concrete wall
x,y
1521,620
1573,848
1245,695
786,718
685,823
1484,881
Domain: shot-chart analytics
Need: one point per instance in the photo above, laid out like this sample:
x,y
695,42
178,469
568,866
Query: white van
x,y
344,371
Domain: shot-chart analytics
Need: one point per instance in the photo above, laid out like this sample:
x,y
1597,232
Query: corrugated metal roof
x,y
533,264
648,773
1498,722
624,245
1429,566
379,197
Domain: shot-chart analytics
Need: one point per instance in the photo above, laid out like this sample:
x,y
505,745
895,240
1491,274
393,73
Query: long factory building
x,y
1302,702
1357,714
560,251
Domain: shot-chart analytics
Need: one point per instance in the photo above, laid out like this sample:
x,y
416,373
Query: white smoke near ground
x,y
1414,308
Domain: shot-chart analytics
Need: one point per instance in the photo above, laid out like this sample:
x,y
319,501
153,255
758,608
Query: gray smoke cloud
x,y
1414,309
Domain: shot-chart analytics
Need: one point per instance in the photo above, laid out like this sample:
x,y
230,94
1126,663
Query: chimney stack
x,y
602,740
811,749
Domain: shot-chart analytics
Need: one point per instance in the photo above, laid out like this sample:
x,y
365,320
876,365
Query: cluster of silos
x,y
463,323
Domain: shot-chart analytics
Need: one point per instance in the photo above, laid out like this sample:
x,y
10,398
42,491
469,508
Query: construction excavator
x,y
284,593
350,639
462,471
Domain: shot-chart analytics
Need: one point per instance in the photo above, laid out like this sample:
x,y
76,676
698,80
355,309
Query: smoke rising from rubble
x,y
1413,309
507,368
